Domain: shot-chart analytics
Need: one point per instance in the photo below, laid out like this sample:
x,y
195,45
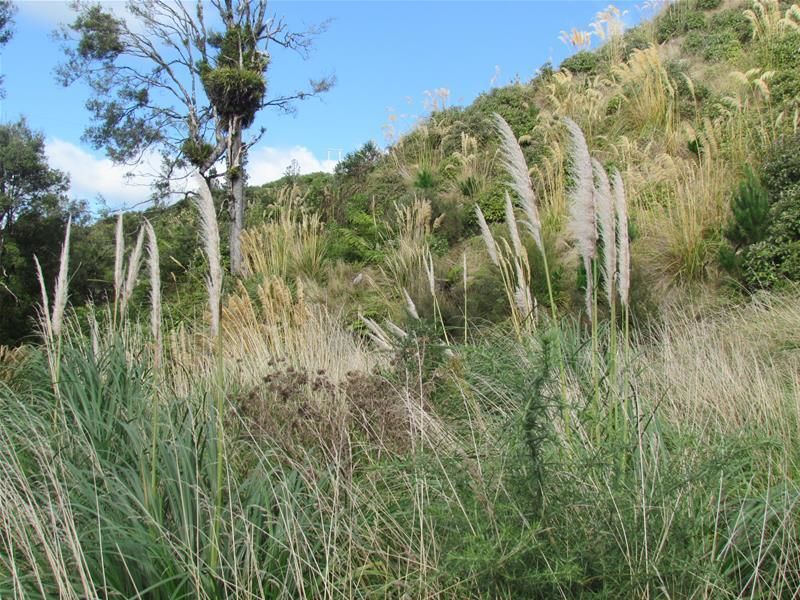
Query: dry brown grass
x,y
729,372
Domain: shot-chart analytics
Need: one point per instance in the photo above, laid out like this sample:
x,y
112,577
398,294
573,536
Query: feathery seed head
x,y
47,325
623,243
210,233
60,294
488,238
511,223
582,209
155,289
514,162
410,306
605,221
119,251
134,264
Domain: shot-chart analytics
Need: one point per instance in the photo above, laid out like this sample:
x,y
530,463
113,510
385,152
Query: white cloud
x,y
50,12
91,176
267,164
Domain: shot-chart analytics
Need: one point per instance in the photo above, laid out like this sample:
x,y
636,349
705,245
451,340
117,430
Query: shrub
x,y
733,21
582,62
493,202
749,212
636,38
782,55
676,21
774,260
719,46
695,21
515,103
668,24
708,4
781,169
486,299
767,266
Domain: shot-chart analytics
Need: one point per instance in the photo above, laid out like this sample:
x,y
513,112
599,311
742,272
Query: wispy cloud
x,y
92,176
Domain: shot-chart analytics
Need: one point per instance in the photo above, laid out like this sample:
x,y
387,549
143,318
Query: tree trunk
x,y
236,196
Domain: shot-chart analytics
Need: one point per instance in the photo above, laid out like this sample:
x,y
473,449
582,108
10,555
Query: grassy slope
x,y
555,464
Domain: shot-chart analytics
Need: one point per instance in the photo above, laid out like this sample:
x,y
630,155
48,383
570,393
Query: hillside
x,y
542,346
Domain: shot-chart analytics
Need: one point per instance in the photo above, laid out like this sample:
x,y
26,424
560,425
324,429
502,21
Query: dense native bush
x,y
584,61
677,20
707,4
781,169
764,227
716,46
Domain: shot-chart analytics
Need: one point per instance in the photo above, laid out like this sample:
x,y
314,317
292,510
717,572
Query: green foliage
x,y
765,223
749,212
781,168
781,54
582,62
732,20
493,202
33,214
775,261
708,4
717,46
236,85
196,152
725,26
486,299
360,236
134,537
235,91
515,103
360,163
695,21
676,20
635,38
425,180
100,34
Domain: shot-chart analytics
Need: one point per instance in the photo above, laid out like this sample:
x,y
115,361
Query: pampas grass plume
x,y
514,162
605,221
119,252
60,293
134,264
45,308
410,306
488,238
582,224
155,289
513,231
210,232
623,243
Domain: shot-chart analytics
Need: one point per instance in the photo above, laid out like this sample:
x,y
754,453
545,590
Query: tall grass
x,y
465,482
291,243
292,458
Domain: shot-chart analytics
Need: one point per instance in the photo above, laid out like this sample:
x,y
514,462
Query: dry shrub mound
x,y
300,409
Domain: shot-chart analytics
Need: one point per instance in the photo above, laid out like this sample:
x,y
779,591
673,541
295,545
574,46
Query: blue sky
x,y
386,55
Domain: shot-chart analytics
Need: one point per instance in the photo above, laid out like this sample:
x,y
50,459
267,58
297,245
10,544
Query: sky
x,y
390,59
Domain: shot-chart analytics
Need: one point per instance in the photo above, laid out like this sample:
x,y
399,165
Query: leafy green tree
x,y
33,210
27,183
168,77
